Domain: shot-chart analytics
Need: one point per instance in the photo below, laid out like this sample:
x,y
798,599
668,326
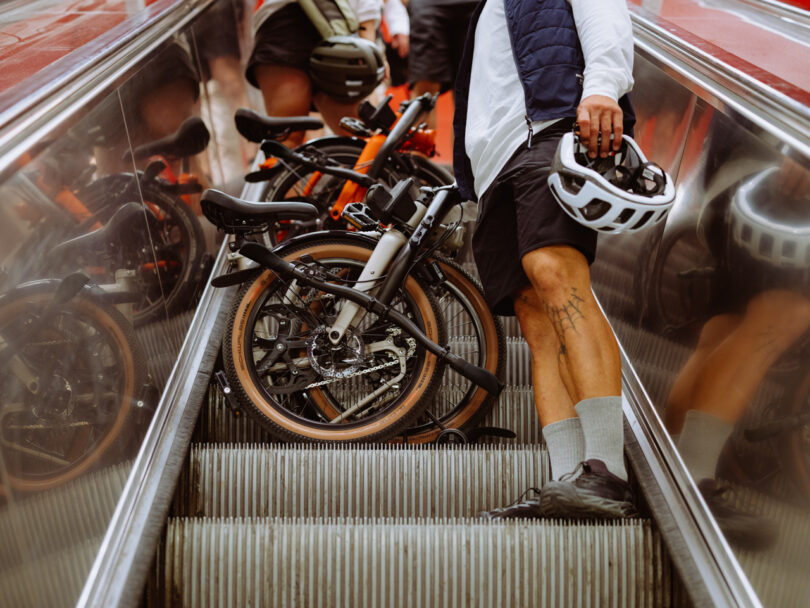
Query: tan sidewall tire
x,y
101,318
234,350
480,403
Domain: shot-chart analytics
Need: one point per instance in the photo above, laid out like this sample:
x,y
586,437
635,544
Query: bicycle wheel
x,y
69,382
167,251
298,385
475,335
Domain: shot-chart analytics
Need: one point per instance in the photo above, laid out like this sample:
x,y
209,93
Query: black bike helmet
x,y
346,68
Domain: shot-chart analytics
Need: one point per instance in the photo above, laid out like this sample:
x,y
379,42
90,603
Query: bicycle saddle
x,y
127,216
191,138
256,127
237,215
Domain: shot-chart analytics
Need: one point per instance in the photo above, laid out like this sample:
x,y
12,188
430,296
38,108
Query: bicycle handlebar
x,y
274,148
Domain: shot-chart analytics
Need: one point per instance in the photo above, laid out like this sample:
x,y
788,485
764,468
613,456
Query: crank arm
x,y
481,377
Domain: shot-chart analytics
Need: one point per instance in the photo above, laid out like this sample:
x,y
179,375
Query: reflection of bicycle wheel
x,y
474,334
286,372
69,376
166,251
798,444
674,282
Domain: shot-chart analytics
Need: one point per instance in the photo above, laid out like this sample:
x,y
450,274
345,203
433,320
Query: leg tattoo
x,y
564,318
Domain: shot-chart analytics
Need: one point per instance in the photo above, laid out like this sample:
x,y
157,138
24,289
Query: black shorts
x,y
437,41
518,214
286,38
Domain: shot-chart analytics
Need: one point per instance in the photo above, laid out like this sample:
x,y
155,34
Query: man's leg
x,y
562,430
286,92
588,363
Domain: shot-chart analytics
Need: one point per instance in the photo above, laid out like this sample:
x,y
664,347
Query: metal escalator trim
x,y
696,545
56,101
753,104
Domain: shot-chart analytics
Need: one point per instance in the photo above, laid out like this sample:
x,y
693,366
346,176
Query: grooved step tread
x,y
414,562
364,481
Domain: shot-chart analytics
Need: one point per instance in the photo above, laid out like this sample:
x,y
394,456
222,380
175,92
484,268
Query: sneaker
x,y
589,492
520,509
742,529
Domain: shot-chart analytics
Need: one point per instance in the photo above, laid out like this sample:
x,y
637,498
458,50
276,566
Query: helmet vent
x,y
766,244
644,219
746,233
572,183
595,209
625,216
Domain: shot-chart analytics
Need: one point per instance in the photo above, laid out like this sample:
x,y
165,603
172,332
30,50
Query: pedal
x,y
230,399
452,437
490,431
359,216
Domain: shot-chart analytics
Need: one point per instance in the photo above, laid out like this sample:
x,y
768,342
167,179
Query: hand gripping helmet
x,y
769,226
346,68
622,193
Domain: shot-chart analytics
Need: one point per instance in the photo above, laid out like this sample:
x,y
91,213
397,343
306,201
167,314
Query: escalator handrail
x,y
49,102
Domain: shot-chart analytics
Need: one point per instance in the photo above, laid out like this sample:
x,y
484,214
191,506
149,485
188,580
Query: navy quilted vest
x,y
549,63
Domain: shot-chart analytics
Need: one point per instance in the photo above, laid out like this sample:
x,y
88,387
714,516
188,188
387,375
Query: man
x,y
530,70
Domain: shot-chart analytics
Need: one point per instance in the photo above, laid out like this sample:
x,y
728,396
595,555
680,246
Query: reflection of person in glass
x,y
765,310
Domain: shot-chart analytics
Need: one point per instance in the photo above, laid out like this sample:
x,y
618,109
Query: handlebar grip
x,y
262,255
483,378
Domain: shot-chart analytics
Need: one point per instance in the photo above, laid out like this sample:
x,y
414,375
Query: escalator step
x,y
387,481
414,562
518,362
514,410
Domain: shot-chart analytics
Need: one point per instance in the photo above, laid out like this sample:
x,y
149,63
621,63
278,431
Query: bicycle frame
x,y
378,147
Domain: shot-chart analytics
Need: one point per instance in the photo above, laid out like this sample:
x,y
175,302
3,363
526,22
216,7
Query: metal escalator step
x,y
511,327
386,481
514,410
415,563
518,362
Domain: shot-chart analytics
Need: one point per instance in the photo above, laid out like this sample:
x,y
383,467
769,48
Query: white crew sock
x,y
566,445
603,426
701,441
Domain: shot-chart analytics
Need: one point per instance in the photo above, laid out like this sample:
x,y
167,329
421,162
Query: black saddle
x,y
235,215
191,138
256,128
109,235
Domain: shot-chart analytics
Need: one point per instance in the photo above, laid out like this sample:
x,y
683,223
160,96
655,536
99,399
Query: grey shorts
x,y
518,214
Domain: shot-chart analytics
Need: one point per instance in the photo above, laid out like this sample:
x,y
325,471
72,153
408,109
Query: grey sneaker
x,y
743,529
595,494
520,509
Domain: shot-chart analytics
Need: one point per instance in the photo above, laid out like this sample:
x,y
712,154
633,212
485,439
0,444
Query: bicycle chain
x,y
411,349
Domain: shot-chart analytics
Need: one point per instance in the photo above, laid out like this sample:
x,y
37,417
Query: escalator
x,y
208,510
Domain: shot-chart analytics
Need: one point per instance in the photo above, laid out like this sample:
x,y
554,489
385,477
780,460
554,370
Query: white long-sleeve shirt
x,y
364,10
496,112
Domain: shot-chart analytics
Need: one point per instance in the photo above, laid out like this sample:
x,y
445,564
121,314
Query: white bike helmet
x,y
768,226
619,194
